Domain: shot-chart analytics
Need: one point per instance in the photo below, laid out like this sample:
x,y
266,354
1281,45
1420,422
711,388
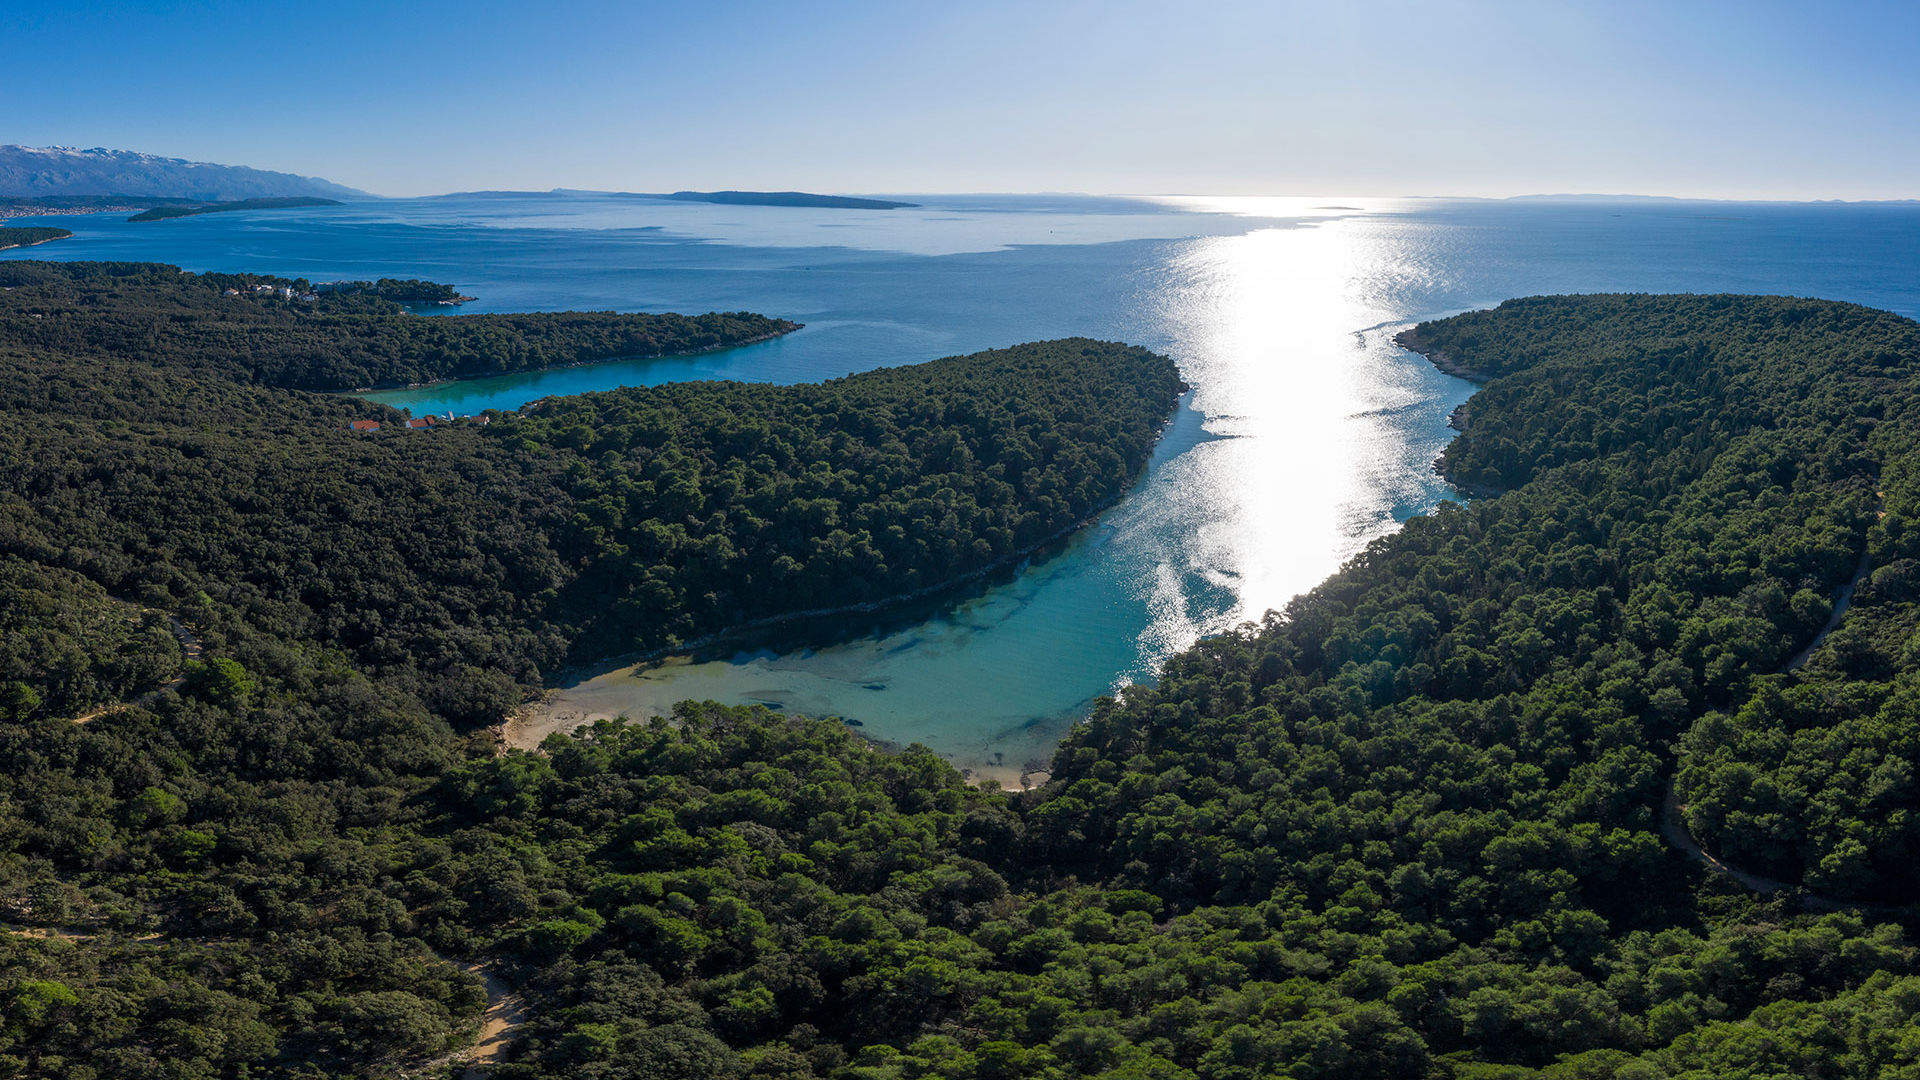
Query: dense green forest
x,y
1409,827
226,875
162,213
28,235
157,315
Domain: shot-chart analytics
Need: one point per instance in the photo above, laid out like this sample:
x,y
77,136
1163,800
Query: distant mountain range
x,y
61,172
64,170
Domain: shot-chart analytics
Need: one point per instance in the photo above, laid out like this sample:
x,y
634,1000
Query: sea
x,y
1307,433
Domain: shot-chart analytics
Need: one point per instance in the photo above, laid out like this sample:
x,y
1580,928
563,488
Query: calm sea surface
x,y
1307,434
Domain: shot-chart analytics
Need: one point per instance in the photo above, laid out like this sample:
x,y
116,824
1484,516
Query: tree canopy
x,y
1411,826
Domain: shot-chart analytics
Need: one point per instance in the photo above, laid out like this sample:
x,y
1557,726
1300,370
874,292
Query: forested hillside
x,y
1409,827
233,842
475,559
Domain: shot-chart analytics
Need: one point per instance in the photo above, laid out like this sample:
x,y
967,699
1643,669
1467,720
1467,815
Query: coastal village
x,y
288,292
367,427
283,291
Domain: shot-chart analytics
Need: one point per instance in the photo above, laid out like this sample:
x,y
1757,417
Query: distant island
x,y
785,198
163,213
27,237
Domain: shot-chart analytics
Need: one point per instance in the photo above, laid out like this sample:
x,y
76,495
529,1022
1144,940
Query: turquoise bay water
x,y
1307,433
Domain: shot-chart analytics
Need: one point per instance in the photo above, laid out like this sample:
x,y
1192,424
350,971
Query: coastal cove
x,y
936,672
991,682
913,680
1308,433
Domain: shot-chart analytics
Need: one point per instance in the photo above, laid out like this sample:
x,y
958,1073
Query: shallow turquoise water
x,y
1307,433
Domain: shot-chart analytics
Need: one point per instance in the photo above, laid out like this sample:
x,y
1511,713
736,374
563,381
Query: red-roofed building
x,y
365,425
418,422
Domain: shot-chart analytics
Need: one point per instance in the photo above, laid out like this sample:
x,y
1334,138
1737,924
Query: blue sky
x,y
1374,97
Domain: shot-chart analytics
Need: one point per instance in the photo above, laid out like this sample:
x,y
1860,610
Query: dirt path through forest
x,y
505,1012
189,645
1673,821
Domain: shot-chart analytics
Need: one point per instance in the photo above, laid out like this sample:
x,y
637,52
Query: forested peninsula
x,y
163,213
1409,827
219,326
28,236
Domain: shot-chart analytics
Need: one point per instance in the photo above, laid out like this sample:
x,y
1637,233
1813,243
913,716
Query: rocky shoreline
x,y
1411,340
1461,418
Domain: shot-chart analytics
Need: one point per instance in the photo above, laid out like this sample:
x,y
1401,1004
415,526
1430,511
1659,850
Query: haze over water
x,y
1307,433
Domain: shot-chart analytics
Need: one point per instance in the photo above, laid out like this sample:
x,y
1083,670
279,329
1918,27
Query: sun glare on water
x,y
1294,366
